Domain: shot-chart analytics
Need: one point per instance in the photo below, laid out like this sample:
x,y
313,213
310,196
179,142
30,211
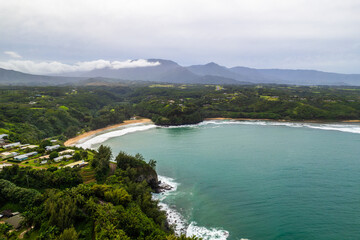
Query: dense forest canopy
x,y
33,113
56,204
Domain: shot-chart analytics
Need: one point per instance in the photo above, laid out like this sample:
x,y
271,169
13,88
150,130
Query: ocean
x,y
255,180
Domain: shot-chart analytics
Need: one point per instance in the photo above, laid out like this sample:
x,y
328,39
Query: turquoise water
x,y
258,180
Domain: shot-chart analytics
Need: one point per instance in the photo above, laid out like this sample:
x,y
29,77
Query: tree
x,y
101,162
71,131
84,154
53,155
61,209
5,231
152,163
68,234
45,143
77,156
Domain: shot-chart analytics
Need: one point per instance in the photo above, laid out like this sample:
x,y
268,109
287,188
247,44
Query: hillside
x,y
171,72
10,77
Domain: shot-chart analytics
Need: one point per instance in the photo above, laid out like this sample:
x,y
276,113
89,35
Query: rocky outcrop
x,y
149,175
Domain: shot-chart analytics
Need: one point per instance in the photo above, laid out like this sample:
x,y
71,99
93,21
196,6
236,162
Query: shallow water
x,y
257,180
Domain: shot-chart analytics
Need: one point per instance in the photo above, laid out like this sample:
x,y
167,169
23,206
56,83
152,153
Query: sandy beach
x,y
74,140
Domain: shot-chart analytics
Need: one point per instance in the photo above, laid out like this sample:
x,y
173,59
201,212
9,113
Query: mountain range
x,y
171,72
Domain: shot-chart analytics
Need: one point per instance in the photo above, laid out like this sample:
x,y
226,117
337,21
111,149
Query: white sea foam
x,y
136,127
181,226
174,218
350,128
206,234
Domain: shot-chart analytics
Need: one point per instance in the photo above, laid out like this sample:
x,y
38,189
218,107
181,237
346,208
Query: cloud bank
x,y
321,34
12,54
56,67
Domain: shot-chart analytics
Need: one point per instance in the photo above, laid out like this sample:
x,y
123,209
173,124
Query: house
x,y
58,159
44,157
43,162
21,157
11,145
6,155
2,136
25,156
7,213
4,165
30,146
15,221
53,141
52,148
31,154
67,151
81,163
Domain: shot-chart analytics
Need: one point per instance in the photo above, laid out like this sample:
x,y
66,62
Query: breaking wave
x,y
342,127
136,127
180,224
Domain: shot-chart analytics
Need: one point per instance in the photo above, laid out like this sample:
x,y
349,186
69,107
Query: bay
x,y
258,180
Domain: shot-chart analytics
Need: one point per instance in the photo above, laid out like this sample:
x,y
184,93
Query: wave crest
x,y
179,223
136,127
342,127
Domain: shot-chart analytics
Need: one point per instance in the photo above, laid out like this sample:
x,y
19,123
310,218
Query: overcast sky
x,y
41,36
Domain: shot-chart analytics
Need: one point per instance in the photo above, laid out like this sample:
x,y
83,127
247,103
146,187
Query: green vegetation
x,y
30,114
42,179
121,207
101,161
113,201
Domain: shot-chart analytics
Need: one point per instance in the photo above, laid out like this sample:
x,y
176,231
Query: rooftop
x,y
15,221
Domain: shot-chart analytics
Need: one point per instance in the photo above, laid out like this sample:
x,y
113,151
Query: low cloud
x,y
12,54
58,67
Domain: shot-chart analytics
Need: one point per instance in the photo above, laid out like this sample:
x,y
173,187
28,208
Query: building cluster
x,y
16,152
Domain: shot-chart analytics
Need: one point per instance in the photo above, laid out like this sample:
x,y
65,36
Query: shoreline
x,y
75,140
283,120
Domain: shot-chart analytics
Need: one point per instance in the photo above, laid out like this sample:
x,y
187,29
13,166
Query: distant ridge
x,y
10,77
171,72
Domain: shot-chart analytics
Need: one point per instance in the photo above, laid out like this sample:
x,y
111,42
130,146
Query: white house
x,y
29,146
11,145
58,159
2,136
6,155
52,148
81,163
4,165
67,151
22,157
25,156
31,154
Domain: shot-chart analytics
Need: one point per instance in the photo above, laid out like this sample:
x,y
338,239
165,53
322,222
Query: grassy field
x,y
88,175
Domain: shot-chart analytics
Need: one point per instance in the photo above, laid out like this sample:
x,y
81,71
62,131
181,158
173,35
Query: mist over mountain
x,y
171,72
